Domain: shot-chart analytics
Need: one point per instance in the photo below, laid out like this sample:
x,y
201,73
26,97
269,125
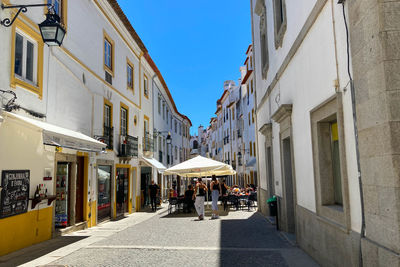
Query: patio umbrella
x,y
200,167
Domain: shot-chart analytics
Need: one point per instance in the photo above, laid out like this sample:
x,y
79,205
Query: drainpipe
x,y
353,102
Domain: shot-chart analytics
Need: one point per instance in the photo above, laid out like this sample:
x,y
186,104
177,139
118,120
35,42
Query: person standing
x,y
153,192
224,193
199,194
215,194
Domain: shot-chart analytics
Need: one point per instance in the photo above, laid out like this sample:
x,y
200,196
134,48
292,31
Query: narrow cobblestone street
x,y
239,238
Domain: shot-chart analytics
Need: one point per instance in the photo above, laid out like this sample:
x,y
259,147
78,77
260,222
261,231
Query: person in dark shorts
x,y
189,203
153,192
224,193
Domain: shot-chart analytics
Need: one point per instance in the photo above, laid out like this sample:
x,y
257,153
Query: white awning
x,y
155,163
57,136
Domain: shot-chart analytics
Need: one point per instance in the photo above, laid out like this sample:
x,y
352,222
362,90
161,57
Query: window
x,y
280,21
180,129
145,87
254,148
124,113
176,153
129,75
251,149
163,111
27,58
107,115
251,86
159,104
60,7
252,115
167,117
233,113
264,42
108,123
249,118
108,54
330,175
176,126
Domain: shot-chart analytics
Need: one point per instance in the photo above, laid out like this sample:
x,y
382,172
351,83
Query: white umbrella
x,y
200,167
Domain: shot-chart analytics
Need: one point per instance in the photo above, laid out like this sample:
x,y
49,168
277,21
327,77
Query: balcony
x,y
148,144
128,146
107,138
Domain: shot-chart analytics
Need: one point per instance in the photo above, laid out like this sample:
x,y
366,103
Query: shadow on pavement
x,y
251,242
38,250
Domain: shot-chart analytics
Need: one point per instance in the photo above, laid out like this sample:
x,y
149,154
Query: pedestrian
x,y
224,193
215,194
188,205
199,194
153,192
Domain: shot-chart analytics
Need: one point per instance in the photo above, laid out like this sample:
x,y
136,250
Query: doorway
x,y
145,180
288,184
79,189
122,186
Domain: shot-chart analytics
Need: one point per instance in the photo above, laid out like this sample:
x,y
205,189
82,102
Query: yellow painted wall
x,y
21,148
24,230
93,208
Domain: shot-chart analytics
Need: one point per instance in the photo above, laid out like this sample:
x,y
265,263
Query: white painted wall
x,y
307,82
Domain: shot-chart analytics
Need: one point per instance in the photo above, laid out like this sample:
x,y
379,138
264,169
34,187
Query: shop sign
x,y
15,192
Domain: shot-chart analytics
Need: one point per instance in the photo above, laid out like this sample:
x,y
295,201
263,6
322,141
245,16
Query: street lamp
x,y
51,29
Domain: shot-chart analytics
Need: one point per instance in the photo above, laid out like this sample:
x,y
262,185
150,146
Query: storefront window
x,y
62,200
104,192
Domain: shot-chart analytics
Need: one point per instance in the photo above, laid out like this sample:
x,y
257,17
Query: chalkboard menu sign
x,y
15,192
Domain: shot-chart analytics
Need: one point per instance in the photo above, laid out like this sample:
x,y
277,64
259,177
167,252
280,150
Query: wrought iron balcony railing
x,y
107,137
128,146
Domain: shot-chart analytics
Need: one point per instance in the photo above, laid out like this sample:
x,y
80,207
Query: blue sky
x,y
196,44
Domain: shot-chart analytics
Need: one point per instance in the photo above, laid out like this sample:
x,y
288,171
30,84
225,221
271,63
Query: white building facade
x,y
81,127
304,126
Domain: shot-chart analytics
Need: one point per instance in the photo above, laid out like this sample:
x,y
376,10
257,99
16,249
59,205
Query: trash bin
x,y
272,204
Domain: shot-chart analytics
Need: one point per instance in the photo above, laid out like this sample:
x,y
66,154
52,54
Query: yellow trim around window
x,y
146,79
128,62
35,35
123,106
108,103
111,41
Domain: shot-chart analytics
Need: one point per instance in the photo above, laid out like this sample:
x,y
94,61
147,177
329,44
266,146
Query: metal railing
x,y
107,138
129,146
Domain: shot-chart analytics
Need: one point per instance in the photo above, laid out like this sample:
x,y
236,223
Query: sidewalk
x,y
56,248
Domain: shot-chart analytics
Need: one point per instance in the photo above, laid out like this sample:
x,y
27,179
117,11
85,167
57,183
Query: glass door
x,y
61,208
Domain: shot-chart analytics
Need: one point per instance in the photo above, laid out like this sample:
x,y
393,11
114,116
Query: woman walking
x,y
215,194
199,194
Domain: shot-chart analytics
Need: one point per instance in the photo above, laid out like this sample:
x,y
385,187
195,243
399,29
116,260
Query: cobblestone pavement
x,y
239,238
